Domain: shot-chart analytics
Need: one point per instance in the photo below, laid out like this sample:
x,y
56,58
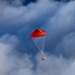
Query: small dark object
x,y
43,58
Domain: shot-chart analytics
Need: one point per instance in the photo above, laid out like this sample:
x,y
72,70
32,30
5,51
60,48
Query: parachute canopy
x,y
38,33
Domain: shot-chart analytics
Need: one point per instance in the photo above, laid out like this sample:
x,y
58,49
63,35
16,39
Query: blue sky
x,y
17,50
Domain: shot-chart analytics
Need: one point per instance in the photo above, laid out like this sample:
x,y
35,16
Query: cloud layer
x,y
18,53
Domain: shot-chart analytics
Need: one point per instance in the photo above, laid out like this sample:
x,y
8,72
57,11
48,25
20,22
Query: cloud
x,y
55,17
6,62
66,46
10,2
10,61
53,65
17,17
16,25
70,69
15,64
60,25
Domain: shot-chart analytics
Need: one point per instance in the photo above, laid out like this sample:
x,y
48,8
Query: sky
x,y
18,53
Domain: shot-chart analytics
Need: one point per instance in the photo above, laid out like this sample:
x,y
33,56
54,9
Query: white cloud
x,y
17,17
53,65
67,46
58,18
11,64
70,69
10,2
6,62
61,24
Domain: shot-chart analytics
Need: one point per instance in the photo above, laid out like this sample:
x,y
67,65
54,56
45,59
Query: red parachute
x,y
39,37
38,33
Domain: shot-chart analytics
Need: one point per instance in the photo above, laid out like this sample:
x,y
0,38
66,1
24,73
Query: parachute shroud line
x,y
42,46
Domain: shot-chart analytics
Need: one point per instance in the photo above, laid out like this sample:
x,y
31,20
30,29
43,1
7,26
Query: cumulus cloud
x,y
66,46
70,69
16,25
6,63
17,17
14,64
10,62
53,65
61,24
10,2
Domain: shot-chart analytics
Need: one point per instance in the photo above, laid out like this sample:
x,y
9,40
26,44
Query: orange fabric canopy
x,y
38,33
